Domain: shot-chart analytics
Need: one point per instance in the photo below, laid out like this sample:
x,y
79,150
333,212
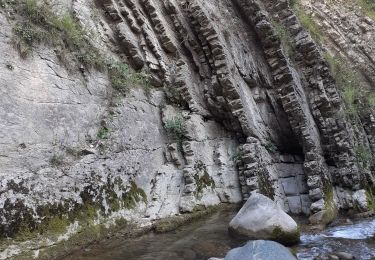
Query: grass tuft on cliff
x,y
306,21
368,7
38,23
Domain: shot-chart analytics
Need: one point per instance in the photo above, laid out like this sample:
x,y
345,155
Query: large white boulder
x,y
262,218
260,249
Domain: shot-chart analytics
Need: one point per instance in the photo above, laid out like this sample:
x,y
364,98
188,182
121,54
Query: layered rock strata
x,y
255,117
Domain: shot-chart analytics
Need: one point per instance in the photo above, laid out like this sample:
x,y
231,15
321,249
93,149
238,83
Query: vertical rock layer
x,y
257,116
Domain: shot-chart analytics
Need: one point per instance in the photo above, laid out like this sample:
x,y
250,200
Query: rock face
x,y
255,118
260,249
261,218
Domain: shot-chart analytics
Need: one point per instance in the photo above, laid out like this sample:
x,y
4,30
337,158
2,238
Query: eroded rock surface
x,y
255,119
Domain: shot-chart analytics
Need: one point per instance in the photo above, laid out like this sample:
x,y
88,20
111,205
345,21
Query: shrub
x,y
103,133
283,34
40,23
237,156
349,83
57,160
368,7
306,21
271,147
363,155
27,35
122,78
176,128
119,76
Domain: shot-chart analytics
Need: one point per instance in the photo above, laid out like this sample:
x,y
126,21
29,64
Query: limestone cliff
x,y
239,97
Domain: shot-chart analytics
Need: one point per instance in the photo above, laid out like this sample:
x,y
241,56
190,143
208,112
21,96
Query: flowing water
x,y
208,237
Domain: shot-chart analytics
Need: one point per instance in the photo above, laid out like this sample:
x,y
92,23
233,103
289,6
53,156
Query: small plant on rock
x,y
57,160
270,147
175,128
363,155
103,133
122,77
237,156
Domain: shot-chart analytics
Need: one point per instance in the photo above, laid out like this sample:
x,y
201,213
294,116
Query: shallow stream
x,y
208,237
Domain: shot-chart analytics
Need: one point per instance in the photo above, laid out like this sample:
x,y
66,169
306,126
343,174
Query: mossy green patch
x,y
329,205
103,133
368,7
370,200
133,196
363,156
202,179
285,238
57,160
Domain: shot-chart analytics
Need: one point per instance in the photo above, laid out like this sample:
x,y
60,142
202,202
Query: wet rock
x,y
260,249
322,217
344,256
262,218
360,199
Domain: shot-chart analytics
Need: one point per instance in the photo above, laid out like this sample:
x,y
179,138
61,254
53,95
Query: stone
x,y
323,217
344,256
294,203
262,218
317,205
251,115
361,200
290,186
260,249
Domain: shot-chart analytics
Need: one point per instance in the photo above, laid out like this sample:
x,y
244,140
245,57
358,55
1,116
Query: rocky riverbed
x,y
208,237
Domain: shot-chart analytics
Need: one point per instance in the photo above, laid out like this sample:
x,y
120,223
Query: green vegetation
x,y
283,34
270,147
203,182
370,199
306,20
363,155
368,7
57,160
264,184
122,78
103,133
237,156
329,204
133,196
175,128
285,238
39,23
171,223
351,85
202,179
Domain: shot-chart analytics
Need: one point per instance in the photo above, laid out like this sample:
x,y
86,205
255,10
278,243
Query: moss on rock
x,y
285,238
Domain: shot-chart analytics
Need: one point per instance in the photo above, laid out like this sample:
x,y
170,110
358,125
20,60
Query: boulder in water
x,y
260,249
262,218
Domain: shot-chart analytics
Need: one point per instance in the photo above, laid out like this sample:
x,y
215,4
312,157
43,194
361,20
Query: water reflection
x,y
209,238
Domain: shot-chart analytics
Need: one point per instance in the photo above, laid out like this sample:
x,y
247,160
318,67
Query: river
x,y
208,237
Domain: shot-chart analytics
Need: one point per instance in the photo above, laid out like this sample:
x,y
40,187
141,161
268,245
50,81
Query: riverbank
x,y
94,236
208,237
